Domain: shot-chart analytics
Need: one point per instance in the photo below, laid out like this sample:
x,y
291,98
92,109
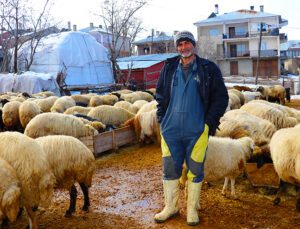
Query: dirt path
x,y
127,192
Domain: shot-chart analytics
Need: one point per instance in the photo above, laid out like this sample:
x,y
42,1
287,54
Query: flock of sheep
x,y
40,149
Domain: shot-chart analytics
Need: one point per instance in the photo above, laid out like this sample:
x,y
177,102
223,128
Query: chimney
x,y
91,25
74,27
261,8
216,9
157,33
69,25
175,32
251,7
100,27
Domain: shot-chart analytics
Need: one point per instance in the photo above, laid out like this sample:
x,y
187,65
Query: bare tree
x,y
23,24
122,25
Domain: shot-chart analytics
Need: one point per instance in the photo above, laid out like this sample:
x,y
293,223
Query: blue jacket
x,y
211,85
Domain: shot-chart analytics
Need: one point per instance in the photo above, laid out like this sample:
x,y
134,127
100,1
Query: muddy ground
x,y
127,192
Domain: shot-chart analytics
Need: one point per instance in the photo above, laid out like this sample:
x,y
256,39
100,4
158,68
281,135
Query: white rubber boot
x,y
194,190
171,192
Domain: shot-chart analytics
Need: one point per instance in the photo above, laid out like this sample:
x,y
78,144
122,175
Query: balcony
x,y
236,54
265,53
235,35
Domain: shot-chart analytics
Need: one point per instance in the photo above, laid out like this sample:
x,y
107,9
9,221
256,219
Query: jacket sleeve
x,y
160,95
218,98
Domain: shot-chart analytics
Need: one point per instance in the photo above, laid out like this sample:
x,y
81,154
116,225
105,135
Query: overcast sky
x,y
170,15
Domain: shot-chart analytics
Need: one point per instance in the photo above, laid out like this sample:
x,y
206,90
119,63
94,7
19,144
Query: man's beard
x,y
186,54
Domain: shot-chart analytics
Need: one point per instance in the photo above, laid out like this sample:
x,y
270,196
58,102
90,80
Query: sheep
x,y
98,100
46,103
58,124
234,101
10,192
269,113
127,106
140,103
27,111
78,110
71,161
81,100
44,94
137,95
10,115
145,95
242,88
110,115
36,179
99,126
251,95
276,91
145,125
285,152
225,158
62,104
148,107
239,94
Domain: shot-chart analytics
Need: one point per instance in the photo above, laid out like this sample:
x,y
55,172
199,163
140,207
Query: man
x,y
191,98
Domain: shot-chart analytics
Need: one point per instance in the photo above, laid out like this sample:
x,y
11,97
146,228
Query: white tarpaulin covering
x,y
29,82
86,60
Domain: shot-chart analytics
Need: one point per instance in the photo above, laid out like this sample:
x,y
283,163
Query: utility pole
x,y
259,48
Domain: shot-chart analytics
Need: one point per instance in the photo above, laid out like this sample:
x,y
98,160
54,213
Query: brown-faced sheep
x,y
71,161
27,111
242,88
58,124
276,92
62,104
36,179
10,192
285,152
110,115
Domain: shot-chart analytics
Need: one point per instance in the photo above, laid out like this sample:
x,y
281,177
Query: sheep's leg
x,y
297,198
85,191
32,219
232,182
73,196
225,186
281,189
4,224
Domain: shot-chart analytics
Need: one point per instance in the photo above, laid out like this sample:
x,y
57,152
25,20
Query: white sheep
x,y
225,158
285,153
110,115
36,179
239,94
78,110
269,113
45,104
251,95
58,124
10,115
44,94
140,103
127,106
148,107
27,111
81,100
10,192
234,101
71,161
62,104
137,95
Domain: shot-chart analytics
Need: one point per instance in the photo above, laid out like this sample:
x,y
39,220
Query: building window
x,y
264,45
241,49
213,32
264,27
240,31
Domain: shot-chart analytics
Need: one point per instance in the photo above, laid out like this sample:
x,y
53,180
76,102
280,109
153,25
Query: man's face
x,y
185,49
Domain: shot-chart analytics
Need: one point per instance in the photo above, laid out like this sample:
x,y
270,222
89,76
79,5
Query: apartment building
x,y
232,40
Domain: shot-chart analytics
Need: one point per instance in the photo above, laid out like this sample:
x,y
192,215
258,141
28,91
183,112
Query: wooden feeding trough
x,y
265,176
110,140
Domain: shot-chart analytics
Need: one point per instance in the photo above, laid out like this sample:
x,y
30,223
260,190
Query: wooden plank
x,y
123,136
265,176
103,142
89,142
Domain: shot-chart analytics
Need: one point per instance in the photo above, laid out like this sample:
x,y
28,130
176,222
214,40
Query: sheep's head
x,y
11,202
260,89
91,131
